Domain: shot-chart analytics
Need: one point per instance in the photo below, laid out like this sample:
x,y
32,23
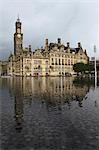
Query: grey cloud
x,y
72,20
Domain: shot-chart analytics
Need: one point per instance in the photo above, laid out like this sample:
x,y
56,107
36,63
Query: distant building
x,y
3,67
92,63
54,59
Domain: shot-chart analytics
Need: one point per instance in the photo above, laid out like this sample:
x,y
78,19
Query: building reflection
x,y
51,92
18,113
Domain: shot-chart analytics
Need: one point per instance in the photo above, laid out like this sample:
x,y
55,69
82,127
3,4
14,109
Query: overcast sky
x,y
72,20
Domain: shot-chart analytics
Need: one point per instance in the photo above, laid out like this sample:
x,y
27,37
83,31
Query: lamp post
x,y
61,65
61,76
95,66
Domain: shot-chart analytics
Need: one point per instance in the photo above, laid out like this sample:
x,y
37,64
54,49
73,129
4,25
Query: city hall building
x,y
54,59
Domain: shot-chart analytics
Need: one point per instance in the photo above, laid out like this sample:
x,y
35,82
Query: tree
x,y
79,67
89,67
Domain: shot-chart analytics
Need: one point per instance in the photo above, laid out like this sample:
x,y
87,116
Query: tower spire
x,y
18,19
18,38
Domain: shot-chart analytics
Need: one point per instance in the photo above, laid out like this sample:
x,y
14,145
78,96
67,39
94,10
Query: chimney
x,y
79,45
29,48
68,45
59,40
46,44
85,52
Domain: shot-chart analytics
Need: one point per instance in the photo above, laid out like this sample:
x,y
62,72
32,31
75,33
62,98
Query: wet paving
x,y
49,113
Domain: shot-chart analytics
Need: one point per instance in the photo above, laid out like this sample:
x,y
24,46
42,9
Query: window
x,y
65,61
37,62
52,61
59,62
46,61
62,61
55,61
52,55
69,62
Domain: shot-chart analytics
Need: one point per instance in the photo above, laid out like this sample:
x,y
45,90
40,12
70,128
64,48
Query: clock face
x,y
18,35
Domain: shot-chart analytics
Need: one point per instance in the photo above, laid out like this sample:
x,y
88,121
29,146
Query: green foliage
x,y
81,67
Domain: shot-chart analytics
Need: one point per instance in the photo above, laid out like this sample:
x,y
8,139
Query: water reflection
x,y
48,113
18,113
47,90
50,92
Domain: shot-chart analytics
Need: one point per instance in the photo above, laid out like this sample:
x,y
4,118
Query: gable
x,y
38,54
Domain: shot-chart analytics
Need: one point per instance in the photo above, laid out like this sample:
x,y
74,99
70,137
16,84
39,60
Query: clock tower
x,y
18,38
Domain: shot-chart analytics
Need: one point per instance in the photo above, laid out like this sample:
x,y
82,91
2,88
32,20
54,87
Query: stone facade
x,y
54,59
